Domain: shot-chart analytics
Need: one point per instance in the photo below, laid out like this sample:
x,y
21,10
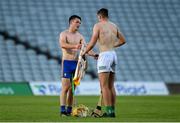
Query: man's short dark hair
x,y
103,12
73,17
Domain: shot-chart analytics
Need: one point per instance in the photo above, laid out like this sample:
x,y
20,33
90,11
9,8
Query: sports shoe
x,y
112,115
68,114
64,114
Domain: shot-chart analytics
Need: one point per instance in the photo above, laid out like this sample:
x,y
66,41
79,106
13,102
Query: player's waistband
x,y
107,52
70,61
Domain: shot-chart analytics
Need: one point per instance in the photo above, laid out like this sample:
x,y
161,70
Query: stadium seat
x,y
151,29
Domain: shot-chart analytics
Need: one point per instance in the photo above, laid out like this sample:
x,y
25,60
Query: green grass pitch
x,y
128,108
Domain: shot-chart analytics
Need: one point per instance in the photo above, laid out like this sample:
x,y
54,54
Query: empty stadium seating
x,y
151,29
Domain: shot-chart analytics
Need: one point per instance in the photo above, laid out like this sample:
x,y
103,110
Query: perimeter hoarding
x,y
93,88
14,88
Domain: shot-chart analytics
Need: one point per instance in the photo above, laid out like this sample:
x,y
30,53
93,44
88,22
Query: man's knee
x,y
111,88
104,86
70,90
65,89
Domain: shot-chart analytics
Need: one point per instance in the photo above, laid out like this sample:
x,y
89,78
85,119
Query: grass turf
x,y
128,108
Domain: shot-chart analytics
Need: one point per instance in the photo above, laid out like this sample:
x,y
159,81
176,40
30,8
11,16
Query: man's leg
x,y
65,87
107,95
103,78
69,101
113,92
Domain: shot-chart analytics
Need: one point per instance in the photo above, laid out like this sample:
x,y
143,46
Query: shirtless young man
x,y
108,37
70,42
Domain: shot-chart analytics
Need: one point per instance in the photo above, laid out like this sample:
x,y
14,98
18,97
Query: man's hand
x,y
78,46
96,56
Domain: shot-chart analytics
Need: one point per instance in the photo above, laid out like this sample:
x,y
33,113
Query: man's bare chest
x,y
73,39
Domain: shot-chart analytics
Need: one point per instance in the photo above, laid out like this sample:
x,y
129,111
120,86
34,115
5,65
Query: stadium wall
x,y
88,88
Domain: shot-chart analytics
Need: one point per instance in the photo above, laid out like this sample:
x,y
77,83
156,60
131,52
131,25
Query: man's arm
x,y
121,39
94,38
91,52
65,45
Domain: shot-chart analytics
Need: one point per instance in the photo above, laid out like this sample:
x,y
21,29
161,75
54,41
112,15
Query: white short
x,y
107,62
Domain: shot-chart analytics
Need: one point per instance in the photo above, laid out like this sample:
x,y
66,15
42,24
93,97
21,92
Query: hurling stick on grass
x,y
97,111
100,100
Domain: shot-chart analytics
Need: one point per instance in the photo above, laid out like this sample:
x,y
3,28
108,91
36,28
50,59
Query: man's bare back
x,y
107,35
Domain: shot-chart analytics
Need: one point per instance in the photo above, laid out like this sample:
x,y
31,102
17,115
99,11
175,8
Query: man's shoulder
x,y
109,22
112,23
64,32
97,24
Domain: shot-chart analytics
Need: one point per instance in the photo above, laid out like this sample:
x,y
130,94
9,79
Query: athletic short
x,y
107,62
69,68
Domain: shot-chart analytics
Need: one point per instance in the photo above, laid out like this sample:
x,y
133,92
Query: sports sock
x,y
63,108
109,110
69,109
113,109
98,107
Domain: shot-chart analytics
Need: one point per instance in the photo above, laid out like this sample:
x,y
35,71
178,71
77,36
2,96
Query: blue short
x,y
69,68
